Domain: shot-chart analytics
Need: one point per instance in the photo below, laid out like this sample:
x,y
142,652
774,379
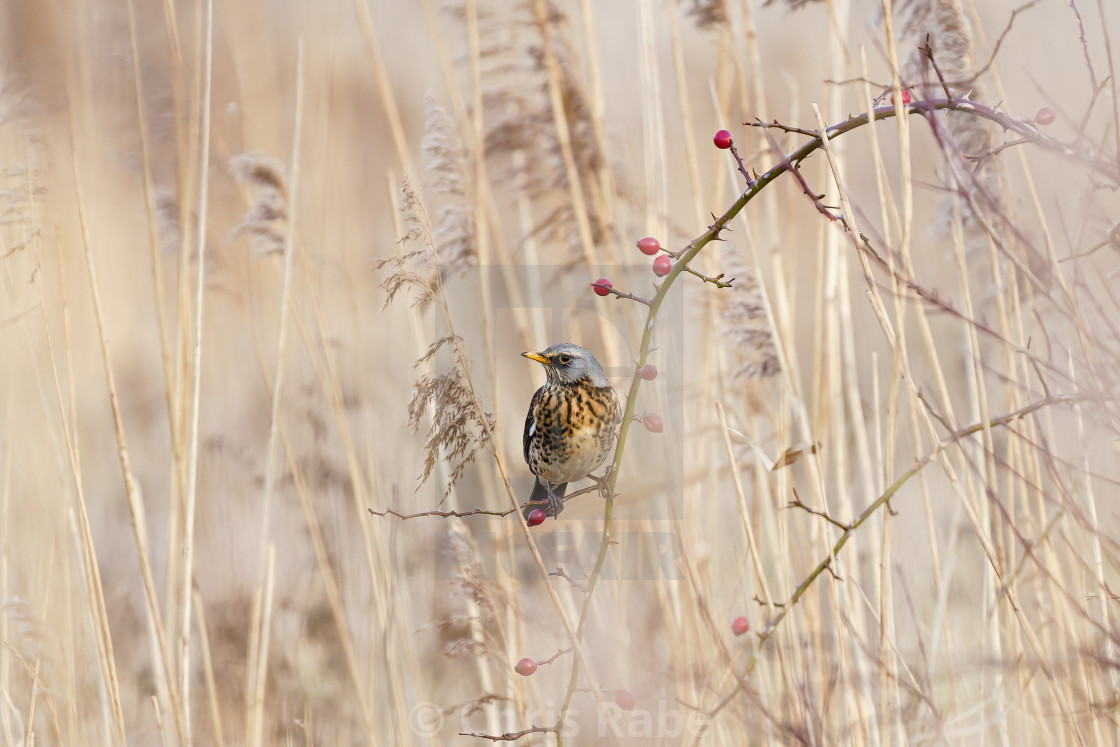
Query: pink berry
x,y
653,422
648,372
649,246
602,286
722,139
662,265
1045,116
740,625
536,516
625,699
525,667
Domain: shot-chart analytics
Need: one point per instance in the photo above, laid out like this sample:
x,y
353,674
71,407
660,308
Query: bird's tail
x,y
539,499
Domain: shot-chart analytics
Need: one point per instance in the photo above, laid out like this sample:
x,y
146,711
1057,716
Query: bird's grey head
x,y
565,363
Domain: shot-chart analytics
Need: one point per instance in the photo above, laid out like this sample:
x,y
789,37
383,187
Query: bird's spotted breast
x,y
571,430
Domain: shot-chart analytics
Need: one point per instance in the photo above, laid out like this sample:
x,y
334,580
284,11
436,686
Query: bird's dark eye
x,y
565,359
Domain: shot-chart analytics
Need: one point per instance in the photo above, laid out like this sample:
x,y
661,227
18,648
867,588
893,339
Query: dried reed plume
x,y
795,4
708,14
745,322
266,220
520,118
944,25
167,220
15,201
445,165
464,635
456,433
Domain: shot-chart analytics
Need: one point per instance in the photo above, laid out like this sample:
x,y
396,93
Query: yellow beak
x,y
537,357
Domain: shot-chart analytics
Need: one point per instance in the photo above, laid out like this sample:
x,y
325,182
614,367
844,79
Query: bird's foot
x,y
555,505
604,482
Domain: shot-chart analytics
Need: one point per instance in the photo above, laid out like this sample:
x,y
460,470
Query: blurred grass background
x,y
543,141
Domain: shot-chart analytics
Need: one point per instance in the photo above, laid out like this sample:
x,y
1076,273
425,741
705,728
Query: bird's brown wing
x,y
530,418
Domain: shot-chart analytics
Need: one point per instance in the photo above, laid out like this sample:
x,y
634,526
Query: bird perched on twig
x,y
570,428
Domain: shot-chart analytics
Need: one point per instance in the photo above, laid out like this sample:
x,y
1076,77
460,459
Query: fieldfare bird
x,y
570,428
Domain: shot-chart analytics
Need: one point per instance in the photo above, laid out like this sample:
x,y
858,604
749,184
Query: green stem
x,y
766,633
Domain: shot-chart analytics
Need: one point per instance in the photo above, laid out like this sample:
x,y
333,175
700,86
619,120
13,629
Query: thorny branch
x,y
789,162
826,563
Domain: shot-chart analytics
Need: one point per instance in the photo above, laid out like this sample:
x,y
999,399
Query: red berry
x,y
602,286
740,625
625,699
653,422
1045,116
649,246
722,139
525,667
662,265
648,372
536,516
906,97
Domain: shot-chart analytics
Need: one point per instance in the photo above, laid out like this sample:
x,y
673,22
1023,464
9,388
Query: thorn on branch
x,y
689,245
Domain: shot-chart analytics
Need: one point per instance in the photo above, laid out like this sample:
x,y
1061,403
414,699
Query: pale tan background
x,y
954,662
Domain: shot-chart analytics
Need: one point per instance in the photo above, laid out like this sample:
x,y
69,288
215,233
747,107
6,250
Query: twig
x,y
776,125
1089,112
717,281
927,49
511,736
1084,43
742,166
577,584
796,503
555,656
441,514
994,151
472,512
817,199
620,294
999,41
